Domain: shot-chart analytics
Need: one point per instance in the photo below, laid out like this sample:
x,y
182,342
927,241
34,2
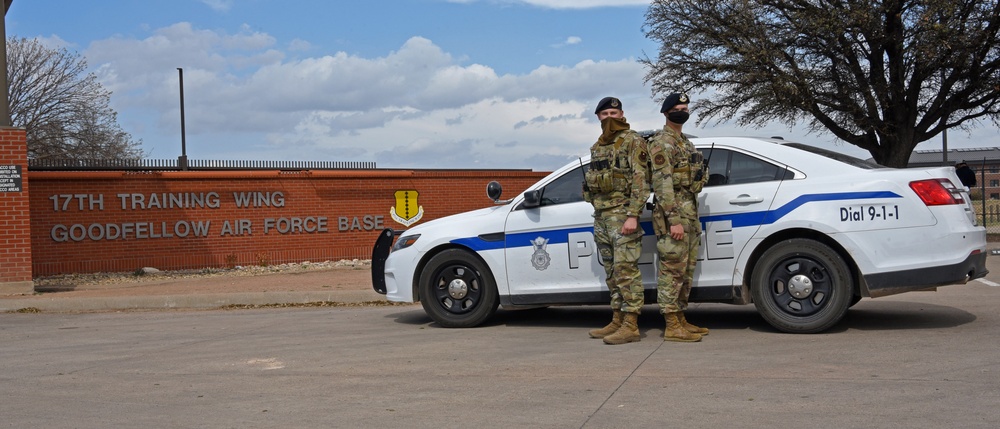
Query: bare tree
x,y
883,75
63,109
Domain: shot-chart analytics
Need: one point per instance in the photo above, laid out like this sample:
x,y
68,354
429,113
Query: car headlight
x,y
405,242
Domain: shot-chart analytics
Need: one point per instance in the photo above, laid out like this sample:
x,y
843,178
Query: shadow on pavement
x,y
413,315
868,315
872,315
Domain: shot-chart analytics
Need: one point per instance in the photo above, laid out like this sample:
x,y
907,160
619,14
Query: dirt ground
x,y
294,278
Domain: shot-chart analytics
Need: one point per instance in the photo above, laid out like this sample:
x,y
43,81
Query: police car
x,y
800,232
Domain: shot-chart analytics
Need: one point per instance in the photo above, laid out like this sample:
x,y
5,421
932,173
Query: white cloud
x,y
571,40
417,106
414,107
482,134
219,5
54,42
566,4
585,4
299,45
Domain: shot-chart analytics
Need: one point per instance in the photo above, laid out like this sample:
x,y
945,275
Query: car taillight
x,y
937,192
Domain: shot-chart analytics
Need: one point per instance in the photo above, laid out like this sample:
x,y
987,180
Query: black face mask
x,y
678,117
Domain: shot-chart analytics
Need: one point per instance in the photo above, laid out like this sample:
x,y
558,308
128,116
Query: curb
x,y
194,301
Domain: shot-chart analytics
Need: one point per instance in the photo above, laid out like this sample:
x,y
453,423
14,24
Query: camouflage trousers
x,y
677,259
620,258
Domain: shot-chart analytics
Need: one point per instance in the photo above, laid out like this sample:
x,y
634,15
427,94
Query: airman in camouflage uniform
x,y
678,172
617,185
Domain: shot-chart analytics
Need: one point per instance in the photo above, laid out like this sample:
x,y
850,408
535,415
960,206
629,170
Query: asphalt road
x,y
917,360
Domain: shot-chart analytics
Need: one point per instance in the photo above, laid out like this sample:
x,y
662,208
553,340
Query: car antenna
x,y
711,151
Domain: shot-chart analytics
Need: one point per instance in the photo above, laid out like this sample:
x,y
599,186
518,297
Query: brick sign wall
x,y
122,221
15,242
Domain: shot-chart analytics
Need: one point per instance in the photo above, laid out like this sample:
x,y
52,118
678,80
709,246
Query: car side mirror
x,y
493,190
532,199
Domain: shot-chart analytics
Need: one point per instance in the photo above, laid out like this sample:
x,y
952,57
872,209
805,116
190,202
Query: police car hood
x,y
466,224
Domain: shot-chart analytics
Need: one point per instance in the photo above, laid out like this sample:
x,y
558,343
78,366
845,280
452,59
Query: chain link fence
x,y
194,165
986,194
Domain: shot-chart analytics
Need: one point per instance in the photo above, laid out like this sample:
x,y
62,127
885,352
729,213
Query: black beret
x,y
673,100
608,103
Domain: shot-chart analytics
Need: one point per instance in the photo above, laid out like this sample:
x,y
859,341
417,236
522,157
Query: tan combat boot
x,y
627,333
616,322
675,331
691,328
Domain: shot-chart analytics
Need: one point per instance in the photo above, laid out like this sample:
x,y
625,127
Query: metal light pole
x,y
182,161
5,103
944,133
944,145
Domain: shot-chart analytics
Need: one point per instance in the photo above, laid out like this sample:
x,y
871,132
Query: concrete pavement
x,y
917,360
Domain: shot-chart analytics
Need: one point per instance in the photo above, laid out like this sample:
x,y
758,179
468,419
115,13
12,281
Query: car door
x,y
732,207
550,252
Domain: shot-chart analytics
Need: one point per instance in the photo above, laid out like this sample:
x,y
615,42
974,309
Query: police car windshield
x,y
846,159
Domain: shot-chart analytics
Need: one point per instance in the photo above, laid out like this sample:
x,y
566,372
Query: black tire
x,y
801,286
458,290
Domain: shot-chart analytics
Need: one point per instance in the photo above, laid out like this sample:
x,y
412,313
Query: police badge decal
x,y
540,259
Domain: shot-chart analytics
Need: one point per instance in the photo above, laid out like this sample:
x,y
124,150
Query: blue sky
x,y
407,84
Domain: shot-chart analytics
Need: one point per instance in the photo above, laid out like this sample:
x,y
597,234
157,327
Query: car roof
x,y
773,149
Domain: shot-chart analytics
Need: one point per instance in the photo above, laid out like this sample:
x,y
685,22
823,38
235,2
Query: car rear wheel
x,y
457,290
801,286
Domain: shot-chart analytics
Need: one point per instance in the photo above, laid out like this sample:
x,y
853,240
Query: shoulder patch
x,y
659,159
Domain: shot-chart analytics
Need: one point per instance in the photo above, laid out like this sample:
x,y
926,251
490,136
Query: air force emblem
x,y
406,211
540,259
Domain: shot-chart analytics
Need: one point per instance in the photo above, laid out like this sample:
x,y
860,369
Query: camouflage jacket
x,y
677,174
618,174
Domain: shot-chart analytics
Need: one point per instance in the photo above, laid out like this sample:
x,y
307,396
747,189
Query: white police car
x,y
801,232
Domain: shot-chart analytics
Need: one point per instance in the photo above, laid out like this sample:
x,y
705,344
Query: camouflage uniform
x,y
617,186
677,176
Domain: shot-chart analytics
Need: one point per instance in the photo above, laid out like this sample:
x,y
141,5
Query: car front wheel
x,y
457,289
801,286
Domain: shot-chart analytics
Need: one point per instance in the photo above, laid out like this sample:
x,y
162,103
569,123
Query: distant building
x,y
985,161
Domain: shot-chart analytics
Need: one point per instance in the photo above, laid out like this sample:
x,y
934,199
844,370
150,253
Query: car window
x,y
718,165
568,188
726,167
747,169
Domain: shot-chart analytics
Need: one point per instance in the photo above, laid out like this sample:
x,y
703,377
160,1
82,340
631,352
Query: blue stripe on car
x,y
524,239
739,220
771,216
